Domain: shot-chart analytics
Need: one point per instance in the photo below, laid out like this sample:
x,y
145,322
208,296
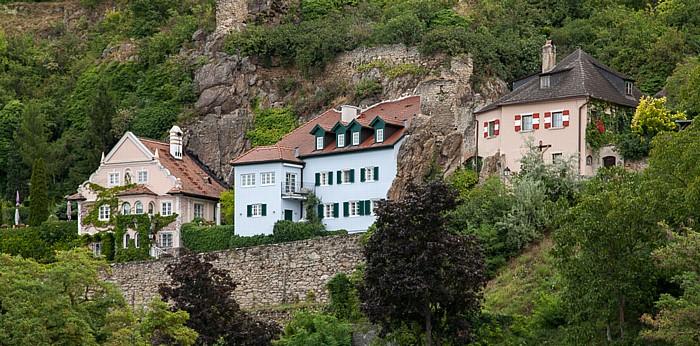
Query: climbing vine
x,y
606,122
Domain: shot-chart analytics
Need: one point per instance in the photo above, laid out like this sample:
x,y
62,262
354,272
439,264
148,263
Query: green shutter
x,y
318,179
330,178
362,207
362,175
368,207
264,210
320,211
376,173
352,175
250,210
335,209
346,209
340,177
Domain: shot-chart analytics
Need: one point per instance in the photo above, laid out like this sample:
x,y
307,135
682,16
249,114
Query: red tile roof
x,y
195,179
76,197
392,112
138,190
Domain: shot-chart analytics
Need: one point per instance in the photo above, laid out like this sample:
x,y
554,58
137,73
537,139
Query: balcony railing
x,y
296,190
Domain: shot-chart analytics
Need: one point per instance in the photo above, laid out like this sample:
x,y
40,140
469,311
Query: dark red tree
x,y
420,274
205,293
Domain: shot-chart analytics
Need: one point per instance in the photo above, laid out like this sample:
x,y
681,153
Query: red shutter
x,y
565,118
517,123
535,121
547,120
486,129
496,127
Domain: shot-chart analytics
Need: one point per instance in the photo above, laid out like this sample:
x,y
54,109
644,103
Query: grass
x,y
523,281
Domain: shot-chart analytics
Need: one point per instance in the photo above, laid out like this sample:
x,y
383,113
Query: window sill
x,y
248,186
273,184
526,131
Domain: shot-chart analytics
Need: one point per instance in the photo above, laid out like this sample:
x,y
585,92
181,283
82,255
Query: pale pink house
x,y
168,181
553,108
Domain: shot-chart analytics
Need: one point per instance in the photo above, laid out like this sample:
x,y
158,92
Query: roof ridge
x,y
401,98
310,120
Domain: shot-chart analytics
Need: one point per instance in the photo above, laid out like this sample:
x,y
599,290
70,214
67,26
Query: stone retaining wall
x,y
266,275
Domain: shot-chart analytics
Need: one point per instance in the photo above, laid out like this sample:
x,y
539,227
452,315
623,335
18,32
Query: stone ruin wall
x,y
266,275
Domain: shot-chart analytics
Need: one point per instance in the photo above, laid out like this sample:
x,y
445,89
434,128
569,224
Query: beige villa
x,y
168,181
553,108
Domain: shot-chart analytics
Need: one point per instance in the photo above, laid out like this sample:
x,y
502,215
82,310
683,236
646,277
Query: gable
x,y
128,149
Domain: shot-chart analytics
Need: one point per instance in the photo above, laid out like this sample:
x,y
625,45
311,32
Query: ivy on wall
x,y
606,122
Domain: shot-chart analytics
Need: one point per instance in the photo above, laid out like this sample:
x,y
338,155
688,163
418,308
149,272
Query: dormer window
x,y
319,143
380,135
355,138
341,140
544,82
628,87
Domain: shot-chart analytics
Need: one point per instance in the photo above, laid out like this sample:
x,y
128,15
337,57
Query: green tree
x,y
684,87
652,117
420,274
603,254
227,200
307,328
38,195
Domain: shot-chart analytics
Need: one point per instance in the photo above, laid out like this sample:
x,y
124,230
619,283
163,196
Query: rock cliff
x,y
442,135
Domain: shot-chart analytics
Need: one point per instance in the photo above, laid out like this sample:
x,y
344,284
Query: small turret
x,y
176,142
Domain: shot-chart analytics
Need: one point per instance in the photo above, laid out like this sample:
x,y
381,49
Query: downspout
x,y
476,147
581,152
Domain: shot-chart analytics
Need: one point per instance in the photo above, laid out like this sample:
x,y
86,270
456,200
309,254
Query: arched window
x,y
136,239
127,239
126,208
138,208
151,207
127,176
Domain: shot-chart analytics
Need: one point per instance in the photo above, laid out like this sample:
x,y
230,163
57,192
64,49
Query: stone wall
x,y
266,275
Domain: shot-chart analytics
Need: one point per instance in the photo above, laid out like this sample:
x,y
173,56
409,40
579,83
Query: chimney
x,y
349,112
176,142
549,56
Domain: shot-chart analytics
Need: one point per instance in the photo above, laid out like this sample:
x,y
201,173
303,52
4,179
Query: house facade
x,y
552,110
167,181
346,158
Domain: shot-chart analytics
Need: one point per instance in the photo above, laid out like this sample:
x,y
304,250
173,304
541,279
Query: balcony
x,y
296,190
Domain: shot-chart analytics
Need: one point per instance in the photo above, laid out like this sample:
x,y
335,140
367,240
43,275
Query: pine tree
x,y
38,194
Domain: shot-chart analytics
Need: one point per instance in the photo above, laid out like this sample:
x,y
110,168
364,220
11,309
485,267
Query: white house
x,y
168,181
347,158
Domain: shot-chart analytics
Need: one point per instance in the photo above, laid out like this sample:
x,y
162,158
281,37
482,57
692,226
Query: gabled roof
x,y
270,153
194,178
579,74
394,112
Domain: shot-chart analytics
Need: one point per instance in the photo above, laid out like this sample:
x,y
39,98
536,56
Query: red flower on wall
x,y
601,127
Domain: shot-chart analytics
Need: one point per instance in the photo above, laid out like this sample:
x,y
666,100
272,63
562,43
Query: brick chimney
x,y
176,142
549,56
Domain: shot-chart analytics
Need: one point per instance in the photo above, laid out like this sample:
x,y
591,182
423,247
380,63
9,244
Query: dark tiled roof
x,y
138,190
194,178
579,74
392,112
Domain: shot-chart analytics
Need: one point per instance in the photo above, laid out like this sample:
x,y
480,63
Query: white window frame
x,y
248,180
198,213
356,138
142,177
345,176
97,249
544,81
522,123
629,87
341,140
325,178
165,240
561,119
136,209
151,211
113,179
267,178
372,206
354,209
380,135
256,210
492,128
124,210
328,211
369,174
319,143
127,239
166,208
104,213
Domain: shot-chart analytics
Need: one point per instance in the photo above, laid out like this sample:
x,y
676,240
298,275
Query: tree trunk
x,y
428,329
608,332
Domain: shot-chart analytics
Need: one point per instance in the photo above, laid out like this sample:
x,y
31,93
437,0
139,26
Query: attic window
x,y
341,140
628,87
544,82
319,143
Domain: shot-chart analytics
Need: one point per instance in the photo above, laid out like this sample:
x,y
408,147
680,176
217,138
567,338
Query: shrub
x,y
367,88
344,302
206,238
307,328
